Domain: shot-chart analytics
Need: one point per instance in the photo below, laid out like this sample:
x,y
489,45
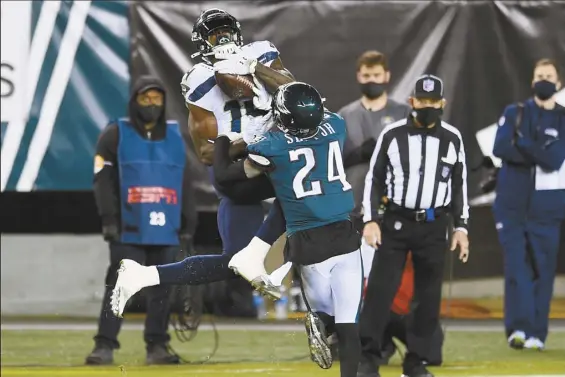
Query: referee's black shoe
x,y
414,367
368,367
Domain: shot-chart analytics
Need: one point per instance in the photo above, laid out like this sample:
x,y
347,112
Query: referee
x,y
417,176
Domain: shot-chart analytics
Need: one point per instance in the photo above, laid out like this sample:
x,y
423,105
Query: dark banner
x,y
483,50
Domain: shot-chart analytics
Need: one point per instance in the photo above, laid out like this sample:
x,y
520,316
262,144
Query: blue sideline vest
x,y
151,177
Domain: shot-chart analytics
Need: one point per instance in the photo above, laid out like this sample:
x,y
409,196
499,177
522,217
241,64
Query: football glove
x,y
236,65
262,99
226,51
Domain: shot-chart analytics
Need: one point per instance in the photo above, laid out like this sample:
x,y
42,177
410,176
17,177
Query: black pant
x,y
428,244
398,328
158,300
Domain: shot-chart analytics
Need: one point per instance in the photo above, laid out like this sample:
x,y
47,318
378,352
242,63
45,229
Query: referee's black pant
x,y
428,243
158,297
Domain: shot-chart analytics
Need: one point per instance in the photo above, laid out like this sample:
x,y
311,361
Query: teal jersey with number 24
x,y
308,175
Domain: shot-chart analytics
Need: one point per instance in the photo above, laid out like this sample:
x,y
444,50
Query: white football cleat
x,y
249,264
132,277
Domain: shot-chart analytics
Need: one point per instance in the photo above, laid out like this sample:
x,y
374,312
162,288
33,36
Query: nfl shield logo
x,y
428,85
386,120
445,172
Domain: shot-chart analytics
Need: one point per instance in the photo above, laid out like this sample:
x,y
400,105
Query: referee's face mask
x,y
427,112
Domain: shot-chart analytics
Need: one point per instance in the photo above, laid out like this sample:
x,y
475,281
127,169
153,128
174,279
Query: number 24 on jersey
x,y
336,171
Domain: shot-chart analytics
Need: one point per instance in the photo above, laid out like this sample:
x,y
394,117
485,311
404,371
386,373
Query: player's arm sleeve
x,y
189,215
226,171
504,146
375,179
196,88
270,69
106,178
548,152
459,199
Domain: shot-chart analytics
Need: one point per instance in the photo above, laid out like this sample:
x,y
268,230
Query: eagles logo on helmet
x,y
298,109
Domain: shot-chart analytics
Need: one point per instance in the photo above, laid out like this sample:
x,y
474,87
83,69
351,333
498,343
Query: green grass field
x,y
258,353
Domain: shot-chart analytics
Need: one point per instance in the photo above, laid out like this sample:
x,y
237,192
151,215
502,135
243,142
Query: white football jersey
x,y
200,89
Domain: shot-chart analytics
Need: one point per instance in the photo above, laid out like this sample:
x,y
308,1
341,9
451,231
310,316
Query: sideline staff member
x,y
530,205
144,197
424,160
365,118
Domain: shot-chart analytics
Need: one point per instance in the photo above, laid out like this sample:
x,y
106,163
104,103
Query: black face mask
x,y
427,116
150,114
544,89
373,90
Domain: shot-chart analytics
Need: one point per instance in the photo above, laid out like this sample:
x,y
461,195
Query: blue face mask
x,y
544,89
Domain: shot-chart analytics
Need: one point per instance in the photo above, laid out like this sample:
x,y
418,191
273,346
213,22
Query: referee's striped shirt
x,y
418,169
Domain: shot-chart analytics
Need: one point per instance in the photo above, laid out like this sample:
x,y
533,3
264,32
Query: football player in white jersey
x,y
217,36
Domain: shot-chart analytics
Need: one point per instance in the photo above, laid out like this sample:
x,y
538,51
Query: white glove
x,y
262,99
226,51
233,136
257,126
236,65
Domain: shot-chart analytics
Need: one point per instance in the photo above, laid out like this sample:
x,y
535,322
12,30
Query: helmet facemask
x,y
210,23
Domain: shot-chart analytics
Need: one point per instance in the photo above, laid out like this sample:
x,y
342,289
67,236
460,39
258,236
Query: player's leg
x,y
237,225
347,286
249,262
316,285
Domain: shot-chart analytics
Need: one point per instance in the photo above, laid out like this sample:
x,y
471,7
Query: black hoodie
x,y
106,177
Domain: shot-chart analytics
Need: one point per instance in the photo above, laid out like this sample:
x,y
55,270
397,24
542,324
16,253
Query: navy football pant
x,y
237,224
530,259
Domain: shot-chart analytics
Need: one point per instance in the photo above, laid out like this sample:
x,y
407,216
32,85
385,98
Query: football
x,y
236,86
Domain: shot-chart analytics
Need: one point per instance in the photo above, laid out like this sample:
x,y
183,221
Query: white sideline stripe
x,y
54,94
39,45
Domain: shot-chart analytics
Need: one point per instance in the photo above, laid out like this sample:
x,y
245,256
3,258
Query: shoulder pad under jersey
x,y
264,51
196,85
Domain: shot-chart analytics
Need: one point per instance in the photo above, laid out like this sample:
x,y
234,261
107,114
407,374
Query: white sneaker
x,y
534,344
132,277
517,339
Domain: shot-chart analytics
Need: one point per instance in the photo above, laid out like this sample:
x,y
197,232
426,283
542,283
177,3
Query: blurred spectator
x,y
530,205
145,200
366,117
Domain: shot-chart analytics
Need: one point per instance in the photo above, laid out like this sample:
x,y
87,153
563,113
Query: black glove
x,y
367,149
111,232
